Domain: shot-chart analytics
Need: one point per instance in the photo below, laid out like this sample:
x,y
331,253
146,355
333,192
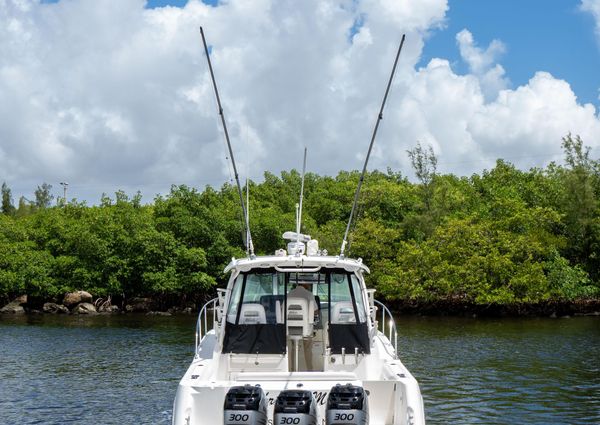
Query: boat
x,y
296,338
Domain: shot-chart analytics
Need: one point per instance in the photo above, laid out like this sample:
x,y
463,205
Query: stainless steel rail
x,y
202,322
216,306
391,325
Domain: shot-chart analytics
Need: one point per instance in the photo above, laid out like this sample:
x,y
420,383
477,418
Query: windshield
x,y
258,297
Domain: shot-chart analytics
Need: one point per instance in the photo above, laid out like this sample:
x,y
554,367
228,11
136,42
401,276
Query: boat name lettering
x,y
320,398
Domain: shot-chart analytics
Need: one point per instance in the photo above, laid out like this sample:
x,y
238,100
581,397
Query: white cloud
x,y
593,7
111,95
482,63
524,125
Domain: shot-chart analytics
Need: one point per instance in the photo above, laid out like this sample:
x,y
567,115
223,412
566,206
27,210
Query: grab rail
x,y
216,305
392,331
297,269
202,322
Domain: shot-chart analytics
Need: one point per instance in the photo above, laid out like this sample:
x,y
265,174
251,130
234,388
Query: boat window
x,y
360,302
262,298
254,316
322,294
306,278
315,283
344,298
234,300
348,327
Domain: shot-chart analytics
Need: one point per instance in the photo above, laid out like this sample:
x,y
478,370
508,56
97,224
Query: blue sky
x,y
161,3
540,35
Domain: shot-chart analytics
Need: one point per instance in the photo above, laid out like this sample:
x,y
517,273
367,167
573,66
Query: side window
x,y
234,300
345,295
342,310
257,285
360,303
339,288
259,302
281,277
323,292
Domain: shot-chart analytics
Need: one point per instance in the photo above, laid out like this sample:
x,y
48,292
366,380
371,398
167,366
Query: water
x,y
125,369
506,371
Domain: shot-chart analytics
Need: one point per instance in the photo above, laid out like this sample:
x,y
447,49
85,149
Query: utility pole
x,y
64,185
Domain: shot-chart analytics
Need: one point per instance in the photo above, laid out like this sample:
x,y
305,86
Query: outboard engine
x,y
347,405
245,405
295,407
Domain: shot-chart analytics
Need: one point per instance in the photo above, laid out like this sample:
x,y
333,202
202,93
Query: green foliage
x,y
7,204
43,197
568,282
505,237
580,205
424,163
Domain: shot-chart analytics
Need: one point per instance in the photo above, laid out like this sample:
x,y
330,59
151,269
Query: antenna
x,y
362,176
299,207
249,245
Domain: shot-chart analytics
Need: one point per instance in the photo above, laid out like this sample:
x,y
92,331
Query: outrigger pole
x,y
364,170
299,214
249,245
247,215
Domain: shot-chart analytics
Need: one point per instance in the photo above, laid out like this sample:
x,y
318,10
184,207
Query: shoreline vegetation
x,y
503,242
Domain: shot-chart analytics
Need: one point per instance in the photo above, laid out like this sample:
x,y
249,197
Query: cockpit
x,y
304,314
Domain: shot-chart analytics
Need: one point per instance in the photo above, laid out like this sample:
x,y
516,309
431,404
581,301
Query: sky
x,y
109,95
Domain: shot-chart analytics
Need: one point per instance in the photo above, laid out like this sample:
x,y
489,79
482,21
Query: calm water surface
x,y
125,369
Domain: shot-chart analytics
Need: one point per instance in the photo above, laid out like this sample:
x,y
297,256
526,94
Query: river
x,y
124,369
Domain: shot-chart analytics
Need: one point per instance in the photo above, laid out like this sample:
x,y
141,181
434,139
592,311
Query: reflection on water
x,y
125,369
96,370
505,371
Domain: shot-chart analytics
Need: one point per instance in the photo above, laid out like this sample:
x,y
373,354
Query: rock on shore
x,y
15,307
54,308
84,308
74,298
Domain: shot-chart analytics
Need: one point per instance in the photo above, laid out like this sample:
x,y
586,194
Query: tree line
x,y
502,237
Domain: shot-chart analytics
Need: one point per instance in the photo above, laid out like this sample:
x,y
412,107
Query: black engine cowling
x,y
245,405
295,407
347,405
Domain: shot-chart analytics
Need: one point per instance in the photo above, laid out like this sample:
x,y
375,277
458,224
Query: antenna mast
x,y
362,176
249,245
299,214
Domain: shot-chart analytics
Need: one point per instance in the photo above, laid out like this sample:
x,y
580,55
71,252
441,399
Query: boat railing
x,y
387,324
213,307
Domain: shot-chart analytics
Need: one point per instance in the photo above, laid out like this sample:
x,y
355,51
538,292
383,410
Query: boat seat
x,y
272,305
300,317
343,312
252,314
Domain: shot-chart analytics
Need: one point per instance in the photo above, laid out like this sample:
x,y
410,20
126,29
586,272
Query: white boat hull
x,y
393,393
264,333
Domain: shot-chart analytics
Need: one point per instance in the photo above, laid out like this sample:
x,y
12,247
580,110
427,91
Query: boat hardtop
x,y
303,261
